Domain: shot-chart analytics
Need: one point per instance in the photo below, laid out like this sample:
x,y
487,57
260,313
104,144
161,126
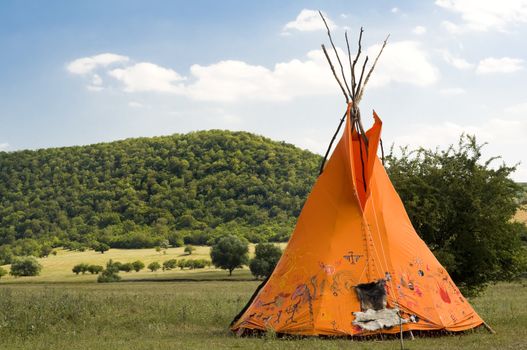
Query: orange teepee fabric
x,y
347,236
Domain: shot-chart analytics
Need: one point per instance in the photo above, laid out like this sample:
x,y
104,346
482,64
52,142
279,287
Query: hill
x,y
139,192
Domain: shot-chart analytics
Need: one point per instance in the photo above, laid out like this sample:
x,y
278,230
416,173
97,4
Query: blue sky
x,y
85,72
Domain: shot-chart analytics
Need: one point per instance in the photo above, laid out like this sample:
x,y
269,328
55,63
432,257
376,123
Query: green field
x,y
58,268
196,315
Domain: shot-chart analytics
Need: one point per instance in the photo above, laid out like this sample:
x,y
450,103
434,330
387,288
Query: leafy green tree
x,y
154,266
25,266
110,273
80,268
3,272
229,253
189,249
182,263
265,260
45,250
462,206
6,254
126,267
101,247
138,265
175,239
95,269
170,264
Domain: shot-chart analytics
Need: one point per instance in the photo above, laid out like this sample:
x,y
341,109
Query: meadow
x,y
196,315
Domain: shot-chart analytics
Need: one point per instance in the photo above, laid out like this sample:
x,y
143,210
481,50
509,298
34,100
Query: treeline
x,y
142,192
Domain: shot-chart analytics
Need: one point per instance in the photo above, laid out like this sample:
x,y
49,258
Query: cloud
x,y
135,104
394,9
403,62
520,108
499,65
419,30
452,91
485,15
233,80
147,76
309,21
456,62
452,27
4,146
86,65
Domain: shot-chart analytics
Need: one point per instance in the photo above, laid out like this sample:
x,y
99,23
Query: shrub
x,y
182,264
189,249
45,250
265,260
3,272
229,253
170,264
25,266
101,247
154,266
126,267
175,239
95,269
110,274
80,268
138,265
6,254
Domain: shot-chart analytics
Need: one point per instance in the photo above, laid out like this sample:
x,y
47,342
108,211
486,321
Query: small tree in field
x,y
229,253
154,266
110,274
170,264
189,249
101,247
3,272
80,268
25,266
126,267
266,258
95,269
138,265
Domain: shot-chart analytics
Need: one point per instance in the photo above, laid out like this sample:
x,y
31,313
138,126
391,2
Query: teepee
x,y
354,264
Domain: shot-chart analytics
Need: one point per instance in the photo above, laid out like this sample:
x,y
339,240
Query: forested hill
x,y
138,192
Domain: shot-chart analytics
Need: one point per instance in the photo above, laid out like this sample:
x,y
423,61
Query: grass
x,y
196,315
521,215
58,268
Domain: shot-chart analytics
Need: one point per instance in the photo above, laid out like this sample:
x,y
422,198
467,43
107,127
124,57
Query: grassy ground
x,y
521,215
196,315
58,268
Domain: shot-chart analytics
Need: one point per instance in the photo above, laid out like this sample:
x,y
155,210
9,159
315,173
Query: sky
x,y
75,73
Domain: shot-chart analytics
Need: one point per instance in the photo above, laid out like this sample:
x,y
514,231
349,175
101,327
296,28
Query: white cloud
x,y
85,65
309,21
499,65
147,76
135,104
520,108
4,146
452,27
395,9
419,30
233,81
484,15
456,62
403,62
452,91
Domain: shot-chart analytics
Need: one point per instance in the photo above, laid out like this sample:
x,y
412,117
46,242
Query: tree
x,y
189,249
170,264
110,273
101,247
175,239
126,267
25,266
138,265
229,253
462,207
265,260
95,269
3,272
154,266
80,268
